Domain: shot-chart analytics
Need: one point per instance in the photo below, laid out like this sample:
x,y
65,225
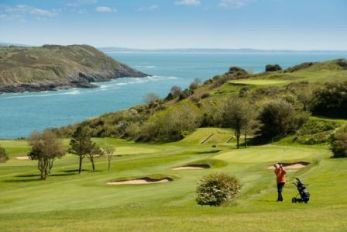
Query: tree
x,y
235,115
331,100
175,92
171,124
3,155
151,98
109,153
278,118
251,126
195,84
95,151
339,142
82,145
272,68
45,148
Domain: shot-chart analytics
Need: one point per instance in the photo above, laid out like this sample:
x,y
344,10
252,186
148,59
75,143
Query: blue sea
x,y
23,113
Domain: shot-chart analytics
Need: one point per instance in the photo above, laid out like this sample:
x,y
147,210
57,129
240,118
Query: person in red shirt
x,y
280,173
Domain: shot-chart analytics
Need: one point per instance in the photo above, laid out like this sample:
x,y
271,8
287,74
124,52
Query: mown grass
x,y
68,201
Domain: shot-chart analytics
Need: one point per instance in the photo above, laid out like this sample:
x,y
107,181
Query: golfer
x,y
280,179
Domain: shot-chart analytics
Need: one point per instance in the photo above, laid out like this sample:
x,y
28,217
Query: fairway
x,y
67,201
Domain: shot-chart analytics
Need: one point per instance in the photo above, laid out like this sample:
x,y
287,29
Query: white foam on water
x,y
146,66
73,92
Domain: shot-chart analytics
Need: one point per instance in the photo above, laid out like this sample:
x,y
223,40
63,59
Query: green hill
x,y
52,66
197,107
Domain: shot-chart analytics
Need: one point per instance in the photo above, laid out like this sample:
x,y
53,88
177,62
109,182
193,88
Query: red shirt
x,y
281,175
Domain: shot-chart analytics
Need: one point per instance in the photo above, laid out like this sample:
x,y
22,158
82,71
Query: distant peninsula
x,y
53,67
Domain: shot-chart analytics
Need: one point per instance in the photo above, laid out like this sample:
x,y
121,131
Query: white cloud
x,y
105,9
234,3
188,2
78,3
149,8
21,11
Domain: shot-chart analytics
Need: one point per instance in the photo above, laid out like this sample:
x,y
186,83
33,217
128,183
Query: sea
x,y
23,113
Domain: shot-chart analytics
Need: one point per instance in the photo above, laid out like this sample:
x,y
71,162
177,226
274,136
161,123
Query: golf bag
x,y
303,192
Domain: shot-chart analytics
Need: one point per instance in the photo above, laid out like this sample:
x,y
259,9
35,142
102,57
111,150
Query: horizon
x,y
5,44
178,24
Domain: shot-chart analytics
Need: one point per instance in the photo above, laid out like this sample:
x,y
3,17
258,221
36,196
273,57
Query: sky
x,y
155,24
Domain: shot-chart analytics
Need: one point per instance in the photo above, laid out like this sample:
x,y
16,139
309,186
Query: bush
x,y
331,100
3,155
217,189
171,124
272,68
339,142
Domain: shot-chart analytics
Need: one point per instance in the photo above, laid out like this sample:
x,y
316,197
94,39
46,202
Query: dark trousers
x,y
279,191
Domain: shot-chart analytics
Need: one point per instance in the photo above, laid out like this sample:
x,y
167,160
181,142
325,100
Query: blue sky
x,y
260,24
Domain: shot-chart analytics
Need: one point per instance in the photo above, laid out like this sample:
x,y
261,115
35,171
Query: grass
x,y
71,202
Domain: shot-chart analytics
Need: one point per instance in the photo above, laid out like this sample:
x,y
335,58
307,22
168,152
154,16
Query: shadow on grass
x,y
35,177
28,175
23,180
64,174
207,152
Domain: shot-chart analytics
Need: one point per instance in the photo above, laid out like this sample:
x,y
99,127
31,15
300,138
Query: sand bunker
x,y
193,167
22,157
138,181
292,166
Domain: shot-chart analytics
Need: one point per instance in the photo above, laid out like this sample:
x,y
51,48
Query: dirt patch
x,y
193,167
139,181
292,166
22,158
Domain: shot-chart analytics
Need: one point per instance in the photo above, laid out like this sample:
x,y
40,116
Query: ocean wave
x,y
146,66
72,92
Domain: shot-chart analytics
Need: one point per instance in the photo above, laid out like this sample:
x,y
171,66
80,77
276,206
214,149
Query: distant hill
x,y
52,66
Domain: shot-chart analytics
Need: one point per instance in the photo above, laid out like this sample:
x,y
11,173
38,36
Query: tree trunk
x,y
92,161
51,161
109,162
238,134
245,138
80,165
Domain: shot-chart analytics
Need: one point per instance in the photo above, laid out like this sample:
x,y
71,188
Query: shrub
x,y
195,84
205,95
3,155
217,189
171,124
339,142
174,93
151,98
272,68
331,100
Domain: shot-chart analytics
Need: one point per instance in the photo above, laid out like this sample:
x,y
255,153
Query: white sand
x,y
22,157
137,181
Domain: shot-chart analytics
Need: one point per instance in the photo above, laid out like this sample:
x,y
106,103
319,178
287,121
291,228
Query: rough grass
x,y
71,202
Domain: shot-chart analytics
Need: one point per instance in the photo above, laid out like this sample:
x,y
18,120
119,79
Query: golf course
x,y
68,201
149,181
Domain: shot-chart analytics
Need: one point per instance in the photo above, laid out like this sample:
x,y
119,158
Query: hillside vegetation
x,y
298,92
53,66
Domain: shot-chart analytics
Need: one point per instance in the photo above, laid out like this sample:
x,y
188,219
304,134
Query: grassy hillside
x,y
296,85
52,66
